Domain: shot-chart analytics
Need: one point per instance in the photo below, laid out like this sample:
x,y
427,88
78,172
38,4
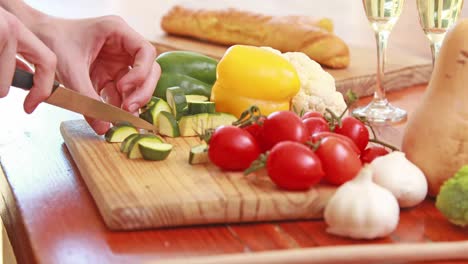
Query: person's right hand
x,y
15,39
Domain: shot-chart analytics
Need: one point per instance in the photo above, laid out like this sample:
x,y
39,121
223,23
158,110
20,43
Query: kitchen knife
x,y
76,102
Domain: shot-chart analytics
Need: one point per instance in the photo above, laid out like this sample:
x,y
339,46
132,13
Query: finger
x,y
110,95
45,61
23,65
7,59
144,55
141,67
103,72
77,78
143,94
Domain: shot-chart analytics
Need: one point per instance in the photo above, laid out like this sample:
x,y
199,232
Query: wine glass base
x,y
381,113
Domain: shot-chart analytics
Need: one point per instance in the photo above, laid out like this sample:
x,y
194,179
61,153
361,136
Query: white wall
x,y
348,16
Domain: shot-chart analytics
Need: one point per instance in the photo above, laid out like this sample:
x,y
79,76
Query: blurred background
x,y
348,16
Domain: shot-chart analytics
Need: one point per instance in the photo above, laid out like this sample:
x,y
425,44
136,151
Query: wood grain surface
x,y
402,69
51,217
137,194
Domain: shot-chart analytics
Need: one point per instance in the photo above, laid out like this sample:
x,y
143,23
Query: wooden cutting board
x,y
137,194
402,69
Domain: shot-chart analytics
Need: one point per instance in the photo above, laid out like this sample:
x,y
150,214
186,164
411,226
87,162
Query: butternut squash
x,y
436,136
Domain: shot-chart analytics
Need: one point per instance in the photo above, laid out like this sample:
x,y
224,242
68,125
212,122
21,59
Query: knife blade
x,y
78,103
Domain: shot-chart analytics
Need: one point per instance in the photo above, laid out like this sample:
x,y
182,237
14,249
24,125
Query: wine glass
x,y
435,17
382,16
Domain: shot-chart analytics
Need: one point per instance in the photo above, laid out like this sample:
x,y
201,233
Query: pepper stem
x,y
248,117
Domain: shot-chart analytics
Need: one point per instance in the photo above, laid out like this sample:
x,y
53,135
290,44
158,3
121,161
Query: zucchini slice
x,y
201,107
152,112
119,132
193,125
221,119
151,102
168,125
124,146
154,150
196,98
133,149
199,154
176,99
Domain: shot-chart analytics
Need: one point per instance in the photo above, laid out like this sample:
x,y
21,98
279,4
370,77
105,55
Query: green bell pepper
x,y
188,84
193,72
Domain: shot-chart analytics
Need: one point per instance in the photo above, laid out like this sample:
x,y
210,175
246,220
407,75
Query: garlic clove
x,y
401,177
361,209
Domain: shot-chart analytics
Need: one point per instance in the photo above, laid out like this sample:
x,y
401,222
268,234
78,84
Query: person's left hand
x,y
102,58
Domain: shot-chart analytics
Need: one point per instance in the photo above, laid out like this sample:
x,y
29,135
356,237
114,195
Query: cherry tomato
x,y
355,130
313,114
255,129
293,166
282,126
319,135
339,161
370,153
316,124
232,148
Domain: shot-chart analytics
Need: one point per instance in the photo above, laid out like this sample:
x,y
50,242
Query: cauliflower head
x,y
452,200
318,90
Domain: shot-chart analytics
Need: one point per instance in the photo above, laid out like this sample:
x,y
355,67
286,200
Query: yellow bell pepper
x,y
248,75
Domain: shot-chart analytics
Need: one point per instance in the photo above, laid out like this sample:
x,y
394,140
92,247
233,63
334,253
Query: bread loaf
x,y
285,33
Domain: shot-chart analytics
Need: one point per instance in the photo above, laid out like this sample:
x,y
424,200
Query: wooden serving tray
x,y
137,194
402,69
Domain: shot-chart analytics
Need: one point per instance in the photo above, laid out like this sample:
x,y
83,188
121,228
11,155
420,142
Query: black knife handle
x,y
25,80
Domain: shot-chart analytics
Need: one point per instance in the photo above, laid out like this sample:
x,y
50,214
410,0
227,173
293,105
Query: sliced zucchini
x,y
126,143
176,99
151,114
151,102
193,125
133,149
201,107
199,154
154,150
196,98
168,125
119,132
221,119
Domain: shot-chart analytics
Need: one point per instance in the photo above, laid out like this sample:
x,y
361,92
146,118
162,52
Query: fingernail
x,y
133,108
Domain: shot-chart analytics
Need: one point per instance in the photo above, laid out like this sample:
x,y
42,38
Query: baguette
x,y
285,33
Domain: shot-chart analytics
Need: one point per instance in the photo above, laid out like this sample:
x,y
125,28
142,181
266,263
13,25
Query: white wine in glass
x,y
382,16
436,16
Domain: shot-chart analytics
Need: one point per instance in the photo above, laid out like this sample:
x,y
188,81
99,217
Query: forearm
x,y
25,13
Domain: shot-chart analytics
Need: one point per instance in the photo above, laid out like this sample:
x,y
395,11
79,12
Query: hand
x,y
15,39
103,58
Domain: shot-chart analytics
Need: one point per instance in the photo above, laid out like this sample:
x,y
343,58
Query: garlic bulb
x,y
362,209
397,174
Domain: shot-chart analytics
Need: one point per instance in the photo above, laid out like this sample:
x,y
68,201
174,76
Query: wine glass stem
x,y
382,40
435,48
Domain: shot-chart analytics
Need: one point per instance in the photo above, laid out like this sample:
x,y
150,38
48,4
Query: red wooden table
x,y
50,216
